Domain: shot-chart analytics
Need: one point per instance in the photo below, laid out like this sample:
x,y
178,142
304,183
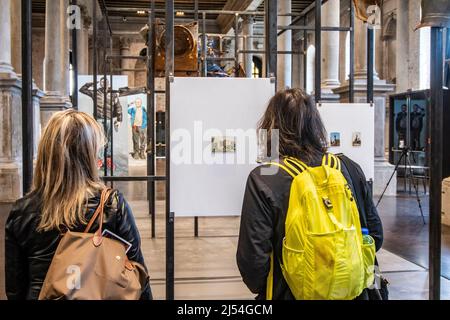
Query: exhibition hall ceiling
x,y
221,23
112,5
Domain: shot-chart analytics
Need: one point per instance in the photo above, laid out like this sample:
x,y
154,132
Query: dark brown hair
x,y
301,132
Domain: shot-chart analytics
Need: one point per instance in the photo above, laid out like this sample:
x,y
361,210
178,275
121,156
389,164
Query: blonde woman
x,y
66,191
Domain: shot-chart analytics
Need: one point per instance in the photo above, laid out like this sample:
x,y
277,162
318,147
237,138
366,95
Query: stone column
x,y
56,62
5,38
10,115
126,63
240,44
16,36
402,46
38,94
330,50
284,65
248,33
408,45
83,42
383,169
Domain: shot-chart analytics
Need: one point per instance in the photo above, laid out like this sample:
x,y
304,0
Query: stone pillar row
x,y
11,104
56,85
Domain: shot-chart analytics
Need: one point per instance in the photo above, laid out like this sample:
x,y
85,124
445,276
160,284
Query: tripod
x,y
405,154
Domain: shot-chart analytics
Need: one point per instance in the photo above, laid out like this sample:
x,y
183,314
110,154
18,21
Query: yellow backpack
x,y
323,255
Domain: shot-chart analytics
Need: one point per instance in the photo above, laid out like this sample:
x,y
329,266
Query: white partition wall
x,y
213,142
348,120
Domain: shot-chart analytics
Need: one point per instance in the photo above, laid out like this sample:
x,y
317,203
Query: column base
x,y
383,172
7,71
51,103
10,182
327,95
11,137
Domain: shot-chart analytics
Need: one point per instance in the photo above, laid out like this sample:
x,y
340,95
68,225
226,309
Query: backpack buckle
x,y
327,203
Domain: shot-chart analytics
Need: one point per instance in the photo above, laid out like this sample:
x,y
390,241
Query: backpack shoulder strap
x,y
357,184
292,166
330,160
295,164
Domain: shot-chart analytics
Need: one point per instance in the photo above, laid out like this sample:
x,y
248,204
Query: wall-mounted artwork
x,y
356,139
335,139
223,144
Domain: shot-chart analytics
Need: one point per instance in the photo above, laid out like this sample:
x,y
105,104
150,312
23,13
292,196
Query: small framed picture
x,y
356,139
335,139
223,144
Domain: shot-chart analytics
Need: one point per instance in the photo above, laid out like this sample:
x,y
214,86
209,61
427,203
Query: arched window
x,y
310,68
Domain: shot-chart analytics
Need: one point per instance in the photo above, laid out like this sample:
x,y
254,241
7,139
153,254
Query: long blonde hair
x,y
66,172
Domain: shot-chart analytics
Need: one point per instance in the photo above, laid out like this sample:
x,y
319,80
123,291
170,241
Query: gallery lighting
x,y
141,12
180,14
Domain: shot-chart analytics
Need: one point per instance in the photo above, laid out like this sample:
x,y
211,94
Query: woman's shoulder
x,y
270,176
24,211
28,204
269,170
116,203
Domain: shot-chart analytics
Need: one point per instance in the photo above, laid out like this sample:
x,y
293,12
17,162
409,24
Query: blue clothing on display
x,y
132,113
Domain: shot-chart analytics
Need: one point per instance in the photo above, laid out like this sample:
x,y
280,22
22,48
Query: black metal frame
x,y
436,135
151,152
27,96
318,45
351,76
370,63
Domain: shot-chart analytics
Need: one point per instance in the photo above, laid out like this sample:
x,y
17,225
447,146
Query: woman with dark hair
x,y
302,137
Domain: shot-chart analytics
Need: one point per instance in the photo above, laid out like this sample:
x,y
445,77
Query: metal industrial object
x,y
185,51
435,13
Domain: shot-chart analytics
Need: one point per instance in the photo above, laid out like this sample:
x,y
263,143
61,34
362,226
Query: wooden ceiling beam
x,y
225,22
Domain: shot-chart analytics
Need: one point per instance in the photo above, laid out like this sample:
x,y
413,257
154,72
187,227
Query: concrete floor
x,y
206,268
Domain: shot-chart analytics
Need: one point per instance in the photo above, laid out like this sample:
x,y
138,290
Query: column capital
x,y
248,19
87,20
124,43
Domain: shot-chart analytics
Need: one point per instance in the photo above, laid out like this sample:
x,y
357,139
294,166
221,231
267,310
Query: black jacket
x,y
262,230
28,253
